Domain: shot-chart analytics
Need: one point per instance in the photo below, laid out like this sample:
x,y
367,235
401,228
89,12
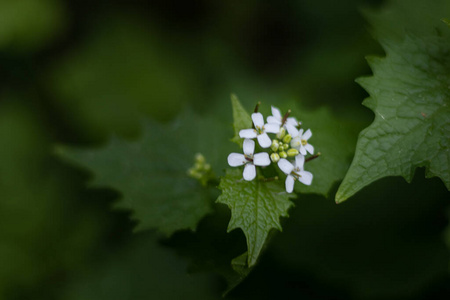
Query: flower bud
x,y
275,157
283,154
199,158
281,133
275,145
292,152
194,174
287,138
207,167
285,147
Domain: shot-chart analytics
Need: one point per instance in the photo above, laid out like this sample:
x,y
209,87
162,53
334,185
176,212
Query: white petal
x,y
273,120
264,140
261,159
285,166
302,150
292,121
249,147
305,177
247,133
309,148
272,128
249,172
299,161
295,143
236,159
276,113
290,183
292,130
307,135
258,119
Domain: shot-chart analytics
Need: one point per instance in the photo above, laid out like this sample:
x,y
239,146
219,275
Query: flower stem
x,y
286,115
269,179
257,106
313,157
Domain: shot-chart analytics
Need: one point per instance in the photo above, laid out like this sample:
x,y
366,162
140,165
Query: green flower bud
x,y
194,174
292,152
287,138
275,145
275,157
207,167
200,158
283,154
281,133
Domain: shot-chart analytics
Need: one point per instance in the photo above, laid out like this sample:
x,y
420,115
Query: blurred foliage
x,y
77,72
30,25
152,172
144,270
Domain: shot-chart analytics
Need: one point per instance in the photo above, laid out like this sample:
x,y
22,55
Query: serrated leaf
x,y
241,119
256,208
151,173
410,97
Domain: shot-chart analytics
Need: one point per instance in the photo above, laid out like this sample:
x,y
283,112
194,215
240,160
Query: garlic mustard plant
x,y
249,159
295,172
277,118
289,143
260,131
300,140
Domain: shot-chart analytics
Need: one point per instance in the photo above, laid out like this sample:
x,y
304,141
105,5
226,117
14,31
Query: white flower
x,y
277,118
295,172
249,159
260,130
300,140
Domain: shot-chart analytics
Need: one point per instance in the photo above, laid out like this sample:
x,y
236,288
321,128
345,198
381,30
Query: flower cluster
x,y
290,141
201,170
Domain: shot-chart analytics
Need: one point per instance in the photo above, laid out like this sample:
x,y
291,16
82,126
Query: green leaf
x,y
241,119
410,97
151,173
256,208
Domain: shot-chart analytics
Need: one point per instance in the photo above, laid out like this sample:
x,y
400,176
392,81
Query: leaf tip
x,y
341,196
